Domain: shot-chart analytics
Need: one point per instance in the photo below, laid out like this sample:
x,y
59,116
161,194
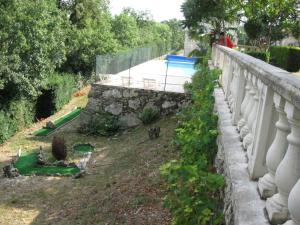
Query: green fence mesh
x,y
115,63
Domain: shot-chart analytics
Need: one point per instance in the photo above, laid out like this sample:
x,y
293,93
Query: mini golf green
x,y
26,165
83,148
59,122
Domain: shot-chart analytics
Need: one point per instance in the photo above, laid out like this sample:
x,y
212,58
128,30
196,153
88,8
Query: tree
x,y
203,14
32,44
177,38
126,30
274,17
90,34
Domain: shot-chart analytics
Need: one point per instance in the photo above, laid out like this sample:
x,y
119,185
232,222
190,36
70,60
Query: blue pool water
x,y
180,69
180,65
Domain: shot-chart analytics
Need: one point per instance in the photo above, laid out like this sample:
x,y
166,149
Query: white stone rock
x,y
112,94
114,108
130,120
130,93
134,104
168,104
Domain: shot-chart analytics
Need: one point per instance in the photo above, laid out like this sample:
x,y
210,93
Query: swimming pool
x,y
182,69
158,74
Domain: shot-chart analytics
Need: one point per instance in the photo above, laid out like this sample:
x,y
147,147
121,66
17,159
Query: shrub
x,y
258,55
59,148
57,91
149,115
63,86
15,115
104,124
285,57
193,187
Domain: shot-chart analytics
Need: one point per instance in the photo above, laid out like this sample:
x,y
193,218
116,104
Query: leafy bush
x,y
258,55
149,115
193,187
285,57
14,116
58,90
63,86
59,148
104,124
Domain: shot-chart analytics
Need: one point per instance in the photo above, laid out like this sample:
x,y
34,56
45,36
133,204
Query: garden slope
x,y
123,185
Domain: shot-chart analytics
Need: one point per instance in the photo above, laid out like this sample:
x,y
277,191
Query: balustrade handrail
x,y
281,81
265,104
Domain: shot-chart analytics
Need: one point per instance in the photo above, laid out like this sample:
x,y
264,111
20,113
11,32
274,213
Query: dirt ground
x,y
122,186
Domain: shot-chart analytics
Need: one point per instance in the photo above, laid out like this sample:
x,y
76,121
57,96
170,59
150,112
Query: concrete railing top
x,y
282,82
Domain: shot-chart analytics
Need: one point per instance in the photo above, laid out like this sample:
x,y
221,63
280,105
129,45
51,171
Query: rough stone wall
x,y
128,103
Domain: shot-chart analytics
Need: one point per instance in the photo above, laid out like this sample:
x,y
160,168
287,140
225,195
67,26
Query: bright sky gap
x,y
160,9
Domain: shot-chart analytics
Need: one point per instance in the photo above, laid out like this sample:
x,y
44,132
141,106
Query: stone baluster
x,y
294,205
217,57
247,141
236,76
245,129
222,61
245,103
264,132
288,171
232,86
228,78
239,95
224,75
276,152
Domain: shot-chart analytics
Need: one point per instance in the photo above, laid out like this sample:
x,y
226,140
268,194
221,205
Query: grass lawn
x,y
122,185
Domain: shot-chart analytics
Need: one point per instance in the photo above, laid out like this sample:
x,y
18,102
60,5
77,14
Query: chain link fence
x,y
111,64
145,68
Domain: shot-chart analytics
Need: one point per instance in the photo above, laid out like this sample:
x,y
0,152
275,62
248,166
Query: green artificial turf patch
x,y
59,122
27,165
83,148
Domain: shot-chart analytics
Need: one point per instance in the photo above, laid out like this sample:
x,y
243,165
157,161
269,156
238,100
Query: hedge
x,y
17,113
62,86
285,57
258,55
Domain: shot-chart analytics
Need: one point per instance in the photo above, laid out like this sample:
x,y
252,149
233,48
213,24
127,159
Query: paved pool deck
x,y
150,75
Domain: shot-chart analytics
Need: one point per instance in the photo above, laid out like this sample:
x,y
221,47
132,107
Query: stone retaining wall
x,y
128,103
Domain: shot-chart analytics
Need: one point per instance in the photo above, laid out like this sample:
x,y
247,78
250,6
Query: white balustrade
x,y
252,116
288,171
233,85
239,95
263,132
276,152
245,102
265,105
294,205
245,129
